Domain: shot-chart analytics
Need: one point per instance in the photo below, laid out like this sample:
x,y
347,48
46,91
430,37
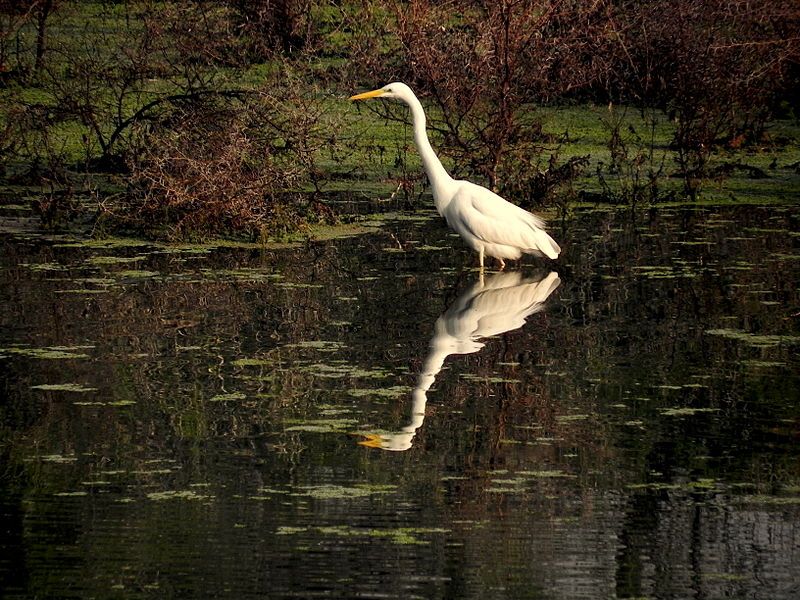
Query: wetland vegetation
x,y
228,118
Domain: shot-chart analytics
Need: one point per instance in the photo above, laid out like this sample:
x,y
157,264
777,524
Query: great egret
x,y
485,309
489,224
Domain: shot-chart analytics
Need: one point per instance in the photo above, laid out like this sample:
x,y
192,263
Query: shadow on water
x,y
180,421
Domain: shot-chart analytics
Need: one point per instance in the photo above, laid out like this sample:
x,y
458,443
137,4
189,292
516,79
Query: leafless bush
x,y
15,17
227,169
635,172
716,68
268,26
483,64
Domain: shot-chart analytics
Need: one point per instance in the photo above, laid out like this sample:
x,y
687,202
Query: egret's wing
x,y
488,217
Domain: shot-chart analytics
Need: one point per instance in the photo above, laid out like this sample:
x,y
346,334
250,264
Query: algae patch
x,y
753,339
397,535
49,353
321,425
341,492
178,495
64,387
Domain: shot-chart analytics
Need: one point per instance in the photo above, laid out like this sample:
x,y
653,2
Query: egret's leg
x,y
480,258
502,263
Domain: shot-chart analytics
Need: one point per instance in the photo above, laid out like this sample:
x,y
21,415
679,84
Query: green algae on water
x,y
178,495
396,535
64,387
321,425
336,492
685,411
49,353
753,339
388,392
230,397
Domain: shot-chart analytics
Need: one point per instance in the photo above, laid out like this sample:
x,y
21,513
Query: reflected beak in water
x,y
373,440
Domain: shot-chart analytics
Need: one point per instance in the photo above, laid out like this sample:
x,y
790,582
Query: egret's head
x,y
396,90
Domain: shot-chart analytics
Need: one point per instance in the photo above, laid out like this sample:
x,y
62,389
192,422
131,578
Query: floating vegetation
x,y
298,286
178,495
134,274
663,272
59,458
387,392
769,500
754,339
520,480
232,396
252,362
64,387
106,243
546,474
763,364
81,291
114,260
49,353
243,274
319,345
685,411
343,369
336,492
475,377
398,535
321,425
45,266
654,486
68,494
571,418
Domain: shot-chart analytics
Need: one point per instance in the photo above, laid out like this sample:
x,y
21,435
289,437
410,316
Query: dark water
x,y
629,428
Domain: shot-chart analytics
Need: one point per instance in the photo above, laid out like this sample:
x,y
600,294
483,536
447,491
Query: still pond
x,y
366,418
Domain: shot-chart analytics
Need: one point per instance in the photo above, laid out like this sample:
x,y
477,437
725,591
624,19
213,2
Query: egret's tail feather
x,y
547,245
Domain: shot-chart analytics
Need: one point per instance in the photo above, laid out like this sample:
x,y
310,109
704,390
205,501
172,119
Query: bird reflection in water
x,y
498,304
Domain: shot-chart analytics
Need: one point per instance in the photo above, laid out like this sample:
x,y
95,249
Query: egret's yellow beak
x,y
373,439
367,95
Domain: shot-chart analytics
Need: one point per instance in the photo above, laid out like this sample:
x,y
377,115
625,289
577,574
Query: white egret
x,y
485,309
489,224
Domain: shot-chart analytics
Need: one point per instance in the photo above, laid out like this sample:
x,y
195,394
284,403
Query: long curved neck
x,y
436,173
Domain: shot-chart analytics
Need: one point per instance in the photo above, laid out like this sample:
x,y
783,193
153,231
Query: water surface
x,y
365,418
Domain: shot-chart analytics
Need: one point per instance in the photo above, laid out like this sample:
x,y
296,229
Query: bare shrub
x,y
227,169
16,55
716,68
267,26
635,172
483,65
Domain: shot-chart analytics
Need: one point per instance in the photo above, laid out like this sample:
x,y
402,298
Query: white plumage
x,y
499,304
489,224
